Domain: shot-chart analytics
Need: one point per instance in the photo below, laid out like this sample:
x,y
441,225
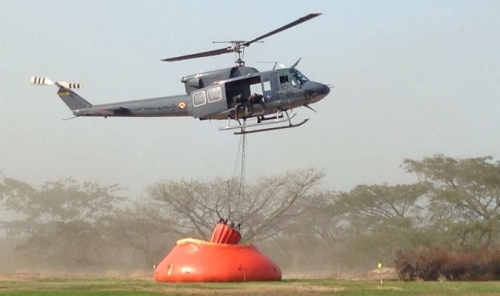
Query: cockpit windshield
x,y
298,76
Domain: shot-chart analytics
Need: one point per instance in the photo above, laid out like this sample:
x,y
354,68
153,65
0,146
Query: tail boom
x,y
179,105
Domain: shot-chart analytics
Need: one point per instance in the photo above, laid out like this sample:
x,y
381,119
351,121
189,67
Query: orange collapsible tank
x,y
193,260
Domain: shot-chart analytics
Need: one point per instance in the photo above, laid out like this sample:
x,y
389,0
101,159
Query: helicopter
x,y
237,94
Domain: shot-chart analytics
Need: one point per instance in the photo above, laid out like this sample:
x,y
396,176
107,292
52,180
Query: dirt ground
x,y
25,275
376,274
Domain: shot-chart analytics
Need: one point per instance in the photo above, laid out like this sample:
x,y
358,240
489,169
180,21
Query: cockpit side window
x,y
298,76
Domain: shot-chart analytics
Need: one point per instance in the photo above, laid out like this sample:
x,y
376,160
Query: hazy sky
x,y
411,79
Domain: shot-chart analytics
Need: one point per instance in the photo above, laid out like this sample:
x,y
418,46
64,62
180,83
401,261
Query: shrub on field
x,y
429,264
405,265
423,263
462,267
494,265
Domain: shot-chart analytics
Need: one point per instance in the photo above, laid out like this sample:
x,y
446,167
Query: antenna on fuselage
x,y
274,67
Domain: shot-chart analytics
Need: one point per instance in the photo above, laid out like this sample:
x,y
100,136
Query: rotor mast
x,y
238,48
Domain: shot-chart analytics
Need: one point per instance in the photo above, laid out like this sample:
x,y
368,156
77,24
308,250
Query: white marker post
x,y
379,267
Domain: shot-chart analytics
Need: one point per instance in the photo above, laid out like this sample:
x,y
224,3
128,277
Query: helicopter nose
x,y
323,89
320,89
315,91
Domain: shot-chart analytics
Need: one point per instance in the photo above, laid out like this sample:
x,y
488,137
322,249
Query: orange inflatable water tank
x,y
194,260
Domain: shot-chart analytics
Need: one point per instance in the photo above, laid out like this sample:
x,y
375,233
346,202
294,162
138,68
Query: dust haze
x,y
80,227
69,226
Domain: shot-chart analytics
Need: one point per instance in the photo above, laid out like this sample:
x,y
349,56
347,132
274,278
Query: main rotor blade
x,y
292,24
240,43
200,54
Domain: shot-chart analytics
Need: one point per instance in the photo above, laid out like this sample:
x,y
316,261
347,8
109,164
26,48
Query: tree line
x,y
291,217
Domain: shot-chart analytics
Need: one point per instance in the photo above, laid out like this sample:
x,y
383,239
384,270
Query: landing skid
x,y
244,132
279,118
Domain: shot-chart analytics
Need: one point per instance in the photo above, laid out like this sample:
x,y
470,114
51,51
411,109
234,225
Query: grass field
x,y
146,286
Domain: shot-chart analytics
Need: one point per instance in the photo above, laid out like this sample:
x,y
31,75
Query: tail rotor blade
x,y
41,81
69,84
37,80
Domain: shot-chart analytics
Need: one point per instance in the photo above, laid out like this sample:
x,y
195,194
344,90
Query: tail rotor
x,y
37,80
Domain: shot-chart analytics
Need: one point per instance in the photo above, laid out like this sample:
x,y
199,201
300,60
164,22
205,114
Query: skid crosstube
x,y
244,132
279,120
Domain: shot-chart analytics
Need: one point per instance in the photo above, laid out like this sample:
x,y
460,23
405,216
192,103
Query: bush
x,y
405,264
429,264
423,263
494,265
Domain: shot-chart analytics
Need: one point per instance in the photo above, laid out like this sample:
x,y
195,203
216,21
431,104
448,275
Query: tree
x,y
268,206
381,219
61,222
382,202
465,199
138,229
314,241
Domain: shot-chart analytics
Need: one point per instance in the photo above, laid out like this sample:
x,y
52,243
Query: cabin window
x,y
214,94
199,98
267,89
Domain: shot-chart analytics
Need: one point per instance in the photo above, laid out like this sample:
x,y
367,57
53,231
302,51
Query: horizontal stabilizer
x,y
46,81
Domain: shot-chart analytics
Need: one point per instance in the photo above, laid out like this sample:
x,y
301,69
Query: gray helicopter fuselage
x,y
281,90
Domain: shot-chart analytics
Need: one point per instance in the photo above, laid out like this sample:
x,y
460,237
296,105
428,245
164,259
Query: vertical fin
x,y
72,99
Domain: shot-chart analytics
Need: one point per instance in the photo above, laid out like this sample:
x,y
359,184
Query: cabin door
x,y
208,101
